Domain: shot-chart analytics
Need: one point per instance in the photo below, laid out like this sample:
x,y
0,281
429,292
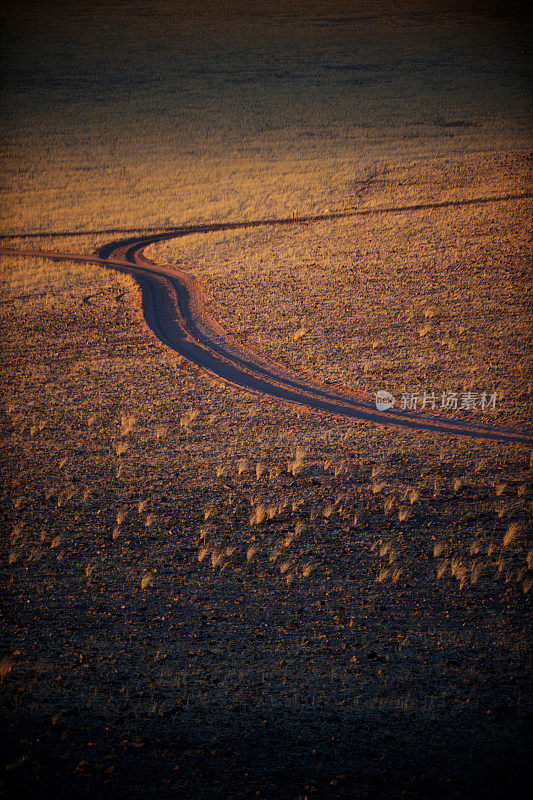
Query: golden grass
x,y
424,261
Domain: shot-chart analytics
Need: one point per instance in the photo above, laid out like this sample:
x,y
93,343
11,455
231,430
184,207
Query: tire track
x,y
210,227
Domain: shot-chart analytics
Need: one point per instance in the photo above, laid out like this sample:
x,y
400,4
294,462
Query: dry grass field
x,y
207,594
211,595
432,299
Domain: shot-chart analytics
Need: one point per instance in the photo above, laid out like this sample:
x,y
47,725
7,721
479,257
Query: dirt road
x,y
179,314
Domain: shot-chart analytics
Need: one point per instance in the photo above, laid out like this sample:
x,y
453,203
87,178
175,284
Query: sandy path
x,y
179,314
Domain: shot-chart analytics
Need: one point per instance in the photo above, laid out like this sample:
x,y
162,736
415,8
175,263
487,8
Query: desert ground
x,y
208,592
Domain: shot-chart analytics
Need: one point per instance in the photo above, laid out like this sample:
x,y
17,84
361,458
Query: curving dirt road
x,y
179,314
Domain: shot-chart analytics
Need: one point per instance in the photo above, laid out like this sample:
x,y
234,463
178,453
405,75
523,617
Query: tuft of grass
x,y
250,553
500,489
188,418
340,469
295,466
396,574
388,504
258,515
121,447
475,573
242,465
512,532
161,432
403,514
441,569
500,566
127,422
300,333
459,571
147,580
6,666
438,549
217,558
16,532
202,553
